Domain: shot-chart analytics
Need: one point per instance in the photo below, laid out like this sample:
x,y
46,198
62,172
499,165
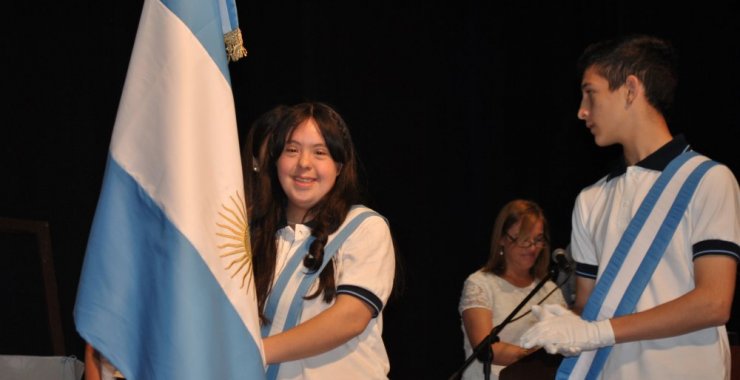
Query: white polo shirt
x,y
710,226
364,267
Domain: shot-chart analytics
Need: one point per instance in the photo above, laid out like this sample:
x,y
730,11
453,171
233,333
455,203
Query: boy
x,y
648,319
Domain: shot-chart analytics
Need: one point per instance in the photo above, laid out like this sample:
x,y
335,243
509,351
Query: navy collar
x,y
657,160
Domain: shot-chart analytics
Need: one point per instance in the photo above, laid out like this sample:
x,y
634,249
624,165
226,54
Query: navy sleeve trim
x,y
586,270
363,294
716,247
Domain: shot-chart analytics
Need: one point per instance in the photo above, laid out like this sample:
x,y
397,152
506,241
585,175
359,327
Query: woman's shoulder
x,y
480,276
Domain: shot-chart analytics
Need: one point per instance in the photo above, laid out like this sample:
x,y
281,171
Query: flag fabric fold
x,y
166,290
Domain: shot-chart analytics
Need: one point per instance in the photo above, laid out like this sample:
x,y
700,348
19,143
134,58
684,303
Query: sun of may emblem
x,y
237,248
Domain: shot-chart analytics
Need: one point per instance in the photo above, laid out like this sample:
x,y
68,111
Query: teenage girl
x,y
323,265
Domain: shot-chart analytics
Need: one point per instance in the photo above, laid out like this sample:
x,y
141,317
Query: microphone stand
x,y
483,350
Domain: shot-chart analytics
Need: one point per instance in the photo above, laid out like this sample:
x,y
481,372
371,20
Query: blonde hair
x,y
528,213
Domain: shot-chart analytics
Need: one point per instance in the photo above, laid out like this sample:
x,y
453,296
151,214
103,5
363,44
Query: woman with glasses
x,y
519,258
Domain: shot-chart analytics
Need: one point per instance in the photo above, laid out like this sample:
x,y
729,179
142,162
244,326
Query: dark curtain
x,y
455,108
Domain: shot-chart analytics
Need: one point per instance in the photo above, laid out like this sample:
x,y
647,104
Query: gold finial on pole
x,y
234,45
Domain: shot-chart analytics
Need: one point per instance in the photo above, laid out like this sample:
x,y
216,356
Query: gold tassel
x,y
234,45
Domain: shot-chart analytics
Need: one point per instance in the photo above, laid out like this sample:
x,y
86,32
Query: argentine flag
x,y
166,290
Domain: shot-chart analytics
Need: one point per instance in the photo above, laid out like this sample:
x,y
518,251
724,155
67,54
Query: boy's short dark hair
x,y
650,59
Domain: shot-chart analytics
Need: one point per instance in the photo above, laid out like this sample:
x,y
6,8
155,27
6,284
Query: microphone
x,y
561,260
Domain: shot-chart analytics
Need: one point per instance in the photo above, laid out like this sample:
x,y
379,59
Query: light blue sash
x,y
649,262
291,270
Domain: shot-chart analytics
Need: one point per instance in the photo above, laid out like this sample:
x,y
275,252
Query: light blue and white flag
x,y
166,290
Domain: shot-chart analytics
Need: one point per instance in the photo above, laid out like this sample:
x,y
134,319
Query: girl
x,y
323,266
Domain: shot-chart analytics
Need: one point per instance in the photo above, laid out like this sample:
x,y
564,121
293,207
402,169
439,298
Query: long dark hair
x,y
268,212
254,151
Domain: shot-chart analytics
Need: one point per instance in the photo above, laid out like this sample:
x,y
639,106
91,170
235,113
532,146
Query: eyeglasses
x,y
538,242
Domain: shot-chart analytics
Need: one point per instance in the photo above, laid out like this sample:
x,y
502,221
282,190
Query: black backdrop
x,y
455,108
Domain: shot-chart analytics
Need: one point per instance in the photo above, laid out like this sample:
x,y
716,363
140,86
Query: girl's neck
x,y
293,218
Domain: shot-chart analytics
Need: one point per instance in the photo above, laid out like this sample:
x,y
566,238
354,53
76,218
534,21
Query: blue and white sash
x,y
637,255
294,281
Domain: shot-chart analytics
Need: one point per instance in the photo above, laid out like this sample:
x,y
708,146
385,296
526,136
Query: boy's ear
x,y
634,87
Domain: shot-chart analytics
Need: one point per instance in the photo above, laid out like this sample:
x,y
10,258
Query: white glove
x,y
561,331
548,311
